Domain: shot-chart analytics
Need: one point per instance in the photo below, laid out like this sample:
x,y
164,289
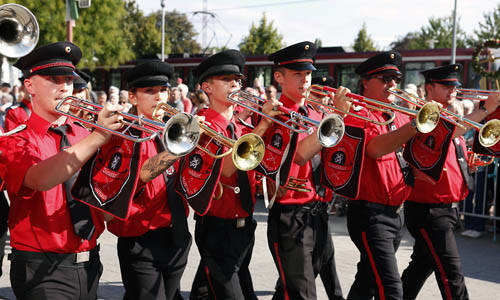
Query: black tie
x,y
243,182
180,230
80,213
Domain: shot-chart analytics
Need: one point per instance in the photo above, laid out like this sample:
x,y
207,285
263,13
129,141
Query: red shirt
x,y
16,116
451,187
40,221
229,205
297,171
150,210
382,178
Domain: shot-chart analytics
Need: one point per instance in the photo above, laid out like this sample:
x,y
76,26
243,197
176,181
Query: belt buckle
x,y
240,222
82,257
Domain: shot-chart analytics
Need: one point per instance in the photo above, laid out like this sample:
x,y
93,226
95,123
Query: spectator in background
x,y
113,90
20,112
421,91
259,87
113,98
188,106
412,90
101,97
176,100
5,88
271,93
123,101
199,100
15,93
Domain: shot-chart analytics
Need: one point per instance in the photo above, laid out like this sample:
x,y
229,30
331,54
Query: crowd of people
x,y
68,182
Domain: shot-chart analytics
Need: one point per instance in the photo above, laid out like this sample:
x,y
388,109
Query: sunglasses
x,y
388,78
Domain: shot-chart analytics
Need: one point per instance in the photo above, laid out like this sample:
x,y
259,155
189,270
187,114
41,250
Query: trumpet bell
x,y
181,134
428,117
19,30
490,133
331,130
248,152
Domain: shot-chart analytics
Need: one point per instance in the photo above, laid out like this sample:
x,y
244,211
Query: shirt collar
x,y
214,117
41,126
289,103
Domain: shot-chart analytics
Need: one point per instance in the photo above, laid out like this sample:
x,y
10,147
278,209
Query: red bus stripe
x,y
282,274
207,273
438,263
374,267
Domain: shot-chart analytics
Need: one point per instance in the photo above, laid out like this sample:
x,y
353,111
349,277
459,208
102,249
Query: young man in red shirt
x,y
53,237
430,211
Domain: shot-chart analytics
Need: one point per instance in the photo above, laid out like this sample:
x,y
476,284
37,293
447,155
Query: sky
x,y
334,22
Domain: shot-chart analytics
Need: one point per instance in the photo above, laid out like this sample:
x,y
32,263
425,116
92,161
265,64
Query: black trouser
x,y
4,226
40,276
225,247
152,265
301,245
435,251
376,232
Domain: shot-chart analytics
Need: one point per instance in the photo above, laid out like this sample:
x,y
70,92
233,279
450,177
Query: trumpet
x,y
479,160
330,130
474,94
179,135
427,116
412,99
19,30
247,152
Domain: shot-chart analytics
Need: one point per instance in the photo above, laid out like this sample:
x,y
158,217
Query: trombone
x,y
247,152
474,94
180,134
330,130
19,30
489,133
427,116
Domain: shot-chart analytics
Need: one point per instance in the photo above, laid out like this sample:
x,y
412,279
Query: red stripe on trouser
x,y
442,274
374,267
207,274
282,274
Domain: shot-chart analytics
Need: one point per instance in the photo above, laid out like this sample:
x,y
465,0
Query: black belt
x,y
390,209
311,207
54,258
433,205
237,222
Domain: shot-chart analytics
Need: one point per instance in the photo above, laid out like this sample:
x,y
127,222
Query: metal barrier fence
x,y
483,202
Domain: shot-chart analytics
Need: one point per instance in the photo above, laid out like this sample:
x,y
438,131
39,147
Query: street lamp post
x,y
162,30
454,42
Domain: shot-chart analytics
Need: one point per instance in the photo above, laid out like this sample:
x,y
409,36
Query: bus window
x,y
263,73
321,71
346,77
412,72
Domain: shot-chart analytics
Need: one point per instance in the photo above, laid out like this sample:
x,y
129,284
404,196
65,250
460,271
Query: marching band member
x,y
19,113
430,211
374,221
153,240
53,237
225,227
298,235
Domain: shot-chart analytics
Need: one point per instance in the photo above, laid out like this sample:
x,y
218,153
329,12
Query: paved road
x,y
481,265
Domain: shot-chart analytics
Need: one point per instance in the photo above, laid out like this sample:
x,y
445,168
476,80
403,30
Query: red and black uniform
x,y
225,235
17,114
41,229
431,216
373,218
152,257
298,233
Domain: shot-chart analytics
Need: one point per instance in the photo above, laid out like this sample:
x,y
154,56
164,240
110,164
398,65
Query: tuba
x,y
19,30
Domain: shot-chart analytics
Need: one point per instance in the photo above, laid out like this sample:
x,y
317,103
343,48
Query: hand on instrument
x,y
109,118
340,100
492,102
270,108
201,120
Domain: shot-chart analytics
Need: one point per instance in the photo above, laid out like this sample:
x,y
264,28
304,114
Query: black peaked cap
x,y
223,63
81,81
298,57
54,59
151,73
385,62
447,75
323,80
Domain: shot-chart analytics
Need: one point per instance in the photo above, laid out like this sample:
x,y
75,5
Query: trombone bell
x,y
428,117
19,30
181,134
249,152
489,134
331,130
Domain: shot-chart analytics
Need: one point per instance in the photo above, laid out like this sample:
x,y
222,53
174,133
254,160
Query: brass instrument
x,y
474,94
329,131
247,152
427,116
479,160
19,30
293,184
180,134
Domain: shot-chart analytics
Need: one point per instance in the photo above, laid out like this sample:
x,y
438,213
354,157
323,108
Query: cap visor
x,y
300,66
56,72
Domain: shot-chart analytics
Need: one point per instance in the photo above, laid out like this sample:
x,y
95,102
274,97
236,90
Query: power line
x,y
264,5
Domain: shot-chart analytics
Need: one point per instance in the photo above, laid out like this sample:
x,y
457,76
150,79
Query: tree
x,y
143,34
98,31
363,41
262,39
179,31
437,34
490,29
318,43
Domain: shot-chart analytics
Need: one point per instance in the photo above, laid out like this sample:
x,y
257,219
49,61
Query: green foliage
x,y
318,43
179,32
490,29
262,39
363,41
98,31
437,34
